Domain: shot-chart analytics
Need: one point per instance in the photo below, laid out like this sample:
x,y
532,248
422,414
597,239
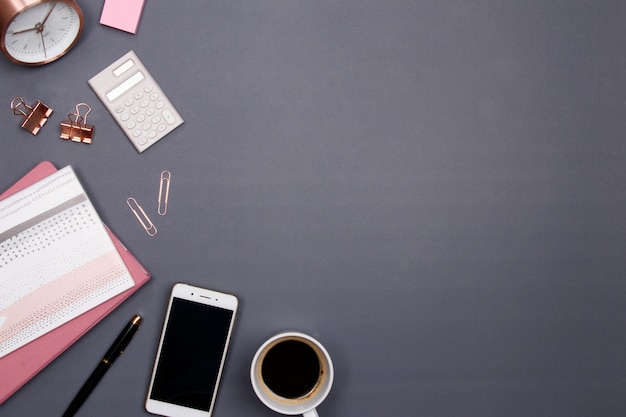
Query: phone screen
x,y
191,355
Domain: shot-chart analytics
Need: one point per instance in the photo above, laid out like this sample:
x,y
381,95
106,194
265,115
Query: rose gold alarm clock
x,y
36,32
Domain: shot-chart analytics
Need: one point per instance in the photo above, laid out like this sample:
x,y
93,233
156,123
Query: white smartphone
x,y
191,353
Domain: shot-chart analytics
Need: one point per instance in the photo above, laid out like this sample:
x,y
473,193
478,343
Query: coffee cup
x,y
292,373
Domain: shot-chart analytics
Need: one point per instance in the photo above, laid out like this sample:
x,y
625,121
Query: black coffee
x,y
291,369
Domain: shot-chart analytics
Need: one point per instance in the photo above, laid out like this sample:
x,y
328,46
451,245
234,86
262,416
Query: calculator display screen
x,y
125,86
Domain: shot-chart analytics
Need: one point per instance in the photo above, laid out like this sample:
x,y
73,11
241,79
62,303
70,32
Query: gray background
x,y
434,189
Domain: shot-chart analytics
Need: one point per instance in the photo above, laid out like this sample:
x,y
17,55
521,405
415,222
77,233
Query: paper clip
x,y
143,218
34,117
76,127
164,192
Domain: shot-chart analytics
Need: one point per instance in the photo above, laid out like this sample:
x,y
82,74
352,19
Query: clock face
x,y
43,33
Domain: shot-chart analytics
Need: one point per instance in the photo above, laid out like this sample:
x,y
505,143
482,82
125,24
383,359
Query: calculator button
x,y
160,105
119,109
129,102
154,96
152,134
140,118
169,116
162,127
131,124
146,126
148,88
134,110
124,117
138,95
144,103
150,111
142,141
156,119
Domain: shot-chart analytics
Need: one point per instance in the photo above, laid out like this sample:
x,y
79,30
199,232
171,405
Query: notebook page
x,y
57,260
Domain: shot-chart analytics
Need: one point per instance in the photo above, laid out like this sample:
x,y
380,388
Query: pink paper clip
x,y
164,192
141,215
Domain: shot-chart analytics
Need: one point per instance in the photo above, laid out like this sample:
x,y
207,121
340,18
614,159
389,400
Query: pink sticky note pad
x,y
122,14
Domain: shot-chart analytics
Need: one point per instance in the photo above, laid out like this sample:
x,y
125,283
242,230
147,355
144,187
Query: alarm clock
x,y
36,32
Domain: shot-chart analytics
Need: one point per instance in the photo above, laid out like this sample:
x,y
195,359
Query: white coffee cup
x,y
278,360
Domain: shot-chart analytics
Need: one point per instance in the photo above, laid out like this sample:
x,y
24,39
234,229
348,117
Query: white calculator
x,y
136,101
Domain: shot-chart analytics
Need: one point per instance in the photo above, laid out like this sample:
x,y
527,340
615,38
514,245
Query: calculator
x,y
136,101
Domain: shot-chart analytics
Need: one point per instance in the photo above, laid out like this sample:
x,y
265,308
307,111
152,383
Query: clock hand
x,y
43,42
48,15
39,26
25,30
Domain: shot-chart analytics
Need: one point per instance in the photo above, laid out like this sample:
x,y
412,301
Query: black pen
x,y
116,350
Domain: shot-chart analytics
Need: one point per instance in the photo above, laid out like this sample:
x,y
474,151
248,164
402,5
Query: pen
x,y
116,350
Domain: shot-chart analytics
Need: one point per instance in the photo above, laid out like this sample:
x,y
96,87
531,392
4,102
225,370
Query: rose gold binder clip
x,y
34,117
164,192
76,127
141,215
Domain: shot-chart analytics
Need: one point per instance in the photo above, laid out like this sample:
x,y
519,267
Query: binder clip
x,y
75,128
34,117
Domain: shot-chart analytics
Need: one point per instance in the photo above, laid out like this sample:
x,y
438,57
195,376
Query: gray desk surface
x,y
434,189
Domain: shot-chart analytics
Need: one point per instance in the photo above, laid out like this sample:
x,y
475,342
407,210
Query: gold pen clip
x,y
164,192
141,215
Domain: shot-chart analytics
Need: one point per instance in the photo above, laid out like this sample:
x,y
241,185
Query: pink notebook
x,y
18,367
